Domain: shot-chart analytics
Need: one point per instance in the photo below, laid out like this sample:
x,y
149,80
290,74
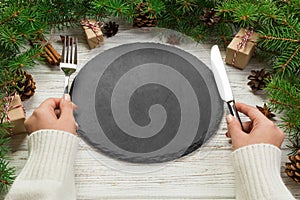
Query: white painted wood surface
x,y
205,174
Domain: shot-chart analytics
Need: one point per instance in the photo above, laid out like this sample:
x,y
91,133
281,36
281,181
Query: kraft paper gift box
x,y
240,57
16,115
93,33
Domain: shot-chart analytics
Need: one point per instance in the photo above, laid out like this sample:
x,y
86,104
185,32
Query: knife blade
x,y
222,81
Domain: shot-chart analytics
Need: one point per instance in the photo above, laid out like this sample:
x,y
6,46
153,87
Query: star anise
x,y
266,111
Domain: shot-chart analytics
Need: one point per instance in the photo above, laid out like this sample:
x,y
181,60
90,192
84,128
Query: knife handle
x,y
234,112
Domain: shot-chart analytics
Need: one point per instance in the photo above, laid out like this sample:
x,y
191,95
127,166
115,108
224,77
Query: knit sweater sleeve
x,y
48,173
257,171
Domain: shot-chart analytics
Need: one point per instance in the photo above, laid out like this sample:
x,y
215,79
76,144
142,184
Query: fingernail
x,y
66,97
75,107
227,134
229,118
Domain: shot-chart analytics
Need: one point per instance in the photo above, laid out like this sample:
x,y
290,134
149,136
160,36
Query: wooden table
x,y
205,174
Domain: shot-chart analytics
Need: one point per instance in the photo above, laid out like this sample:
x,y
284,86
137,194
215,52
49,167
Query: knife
x,y
222,81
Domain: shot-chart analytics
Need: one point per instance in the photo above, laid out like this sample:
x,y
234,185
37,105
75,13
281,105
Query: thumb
x,y
234,127
66,107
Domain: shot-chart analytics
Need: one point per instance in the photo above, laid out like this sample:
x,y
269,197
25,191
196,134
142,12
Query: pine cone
x,y
25,84
209,17
293,168
110,29
145,17
266,111
258,79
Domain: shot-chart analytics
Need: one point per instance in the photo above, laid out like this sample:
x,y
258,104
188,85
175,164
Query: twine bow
x,y
243,43
94,26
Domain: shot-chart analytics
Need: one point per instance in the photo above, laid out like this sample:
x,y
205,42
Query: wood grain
x,y
205,174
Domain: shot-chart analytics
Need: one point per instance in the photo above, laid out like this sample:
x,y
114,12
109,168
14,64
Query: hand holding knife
x,y
222,81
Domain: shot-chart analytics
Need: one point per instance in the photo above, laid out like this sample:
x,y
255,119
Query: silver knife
x,y
222,81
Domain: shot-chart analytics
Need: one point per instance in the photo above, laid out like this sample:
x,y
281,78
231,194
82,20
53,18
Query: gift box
x,y
241,48
15,114
93,33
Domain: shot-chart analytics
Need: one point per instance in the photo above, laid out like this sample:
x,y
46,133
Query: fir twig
x,y
288,61
15,14
279,103
270,37
7,175
285,22
284,92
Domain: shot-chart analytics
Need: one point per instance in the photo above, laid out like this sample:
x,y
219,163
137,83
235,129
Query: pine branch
x,y
289,64
295,144
280,88
14,15
283,104
25,60
284,93
265,37
10,41
292,25
7,175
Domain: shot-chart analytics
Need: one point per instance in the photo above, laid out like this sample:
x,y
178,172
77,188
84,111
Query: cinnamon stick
x,y
54,52
49,60
49,53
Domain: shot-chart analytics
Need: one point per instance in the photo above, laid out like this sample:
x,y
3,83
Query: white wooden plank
x,y
205,174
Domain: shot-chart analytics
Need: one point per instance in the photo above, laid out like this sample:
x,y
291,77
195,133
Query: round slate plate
x,y
146,103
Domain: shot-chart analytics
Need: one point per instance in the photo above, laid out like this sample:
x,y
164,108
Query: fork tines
x,y
69,50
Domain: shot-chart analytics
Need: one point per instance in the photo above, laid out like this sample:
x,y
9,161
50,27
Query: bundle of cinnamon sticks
x,y
51,55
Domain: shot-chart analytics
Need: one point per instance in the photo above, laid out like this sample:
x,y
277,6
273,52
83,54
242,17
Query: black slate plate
x,y
146,103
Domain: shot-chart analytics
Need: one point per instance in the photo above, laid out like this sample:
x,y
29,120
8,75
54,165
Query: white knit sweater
x,y
257,172
48,173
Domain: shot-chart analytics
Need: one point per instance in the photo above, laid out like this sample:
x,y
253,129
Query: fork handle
x,y
66,90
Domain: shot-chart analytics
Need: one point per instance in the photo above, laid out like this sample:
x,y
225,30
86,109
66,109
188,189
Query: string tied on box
x,y
243,43
8,107
94,26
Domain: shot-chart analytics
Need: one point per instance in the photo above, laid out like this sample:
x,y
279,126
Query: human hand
x,y
259,130
46,116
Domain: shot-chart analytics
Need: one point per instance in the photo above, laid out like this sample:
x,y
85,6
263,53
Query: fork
x,y
69,59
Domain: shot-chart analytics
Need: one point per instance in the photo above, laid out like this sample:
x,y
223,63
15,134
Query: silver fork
x,y
68,62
